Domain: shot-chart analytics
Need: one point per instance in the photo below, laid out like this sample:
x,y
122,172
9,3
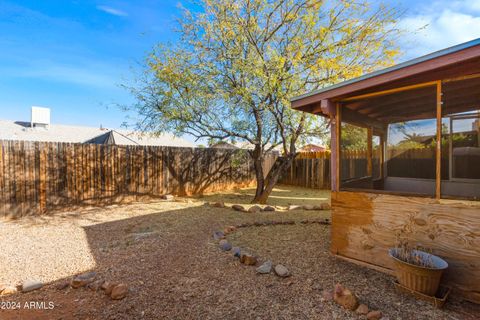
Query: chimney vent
x,y
40,117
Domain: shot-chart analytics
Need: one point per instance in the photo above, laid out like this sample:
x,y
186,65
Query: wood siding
x,y
41,177
366,225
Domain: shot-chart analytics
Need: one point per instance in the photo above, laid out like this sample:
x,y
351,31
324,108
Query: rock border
x,y
88,280
268,208
251,260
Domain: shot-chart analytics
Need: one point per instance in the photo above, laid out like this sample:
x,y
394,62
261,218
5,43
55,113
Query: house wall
x,y
366,225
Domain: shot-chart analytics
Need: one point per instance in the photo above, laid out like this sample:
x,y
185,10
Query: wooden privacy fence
x,y
40,177
312,170
314,155
308,173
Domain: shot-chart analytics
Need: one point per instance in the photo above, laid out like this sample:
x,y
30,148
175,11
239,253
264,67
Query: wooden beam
x,y
390,91
327,107
438,179
360,120
368,106
468,77
369,152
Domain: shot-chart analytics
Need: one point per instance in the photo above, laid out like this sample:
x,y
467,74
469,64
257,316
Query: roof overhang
x,y
460,60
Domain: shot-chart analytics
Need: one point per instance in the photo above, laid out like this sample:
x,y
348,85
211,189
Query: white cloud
x,y
86,72
112,11
441,25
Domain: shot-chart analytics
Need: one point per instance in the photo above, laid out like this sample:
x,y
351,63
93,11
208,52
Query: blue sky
x,y
72,56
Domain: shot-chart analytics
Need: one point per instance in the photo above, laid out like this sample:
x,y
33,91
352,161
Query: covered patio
x,y
419,179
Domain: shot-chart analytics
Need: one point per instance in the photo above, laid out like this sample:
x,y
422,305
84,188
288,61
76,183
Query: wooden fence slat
x,y
2,184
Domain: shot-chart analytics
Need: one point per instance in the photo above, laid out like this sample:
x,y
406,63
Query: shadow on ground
x,y
281,195
175,270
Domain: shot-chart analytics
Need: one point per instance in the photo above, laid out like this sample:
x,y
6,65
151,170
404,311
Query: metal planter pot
x,y
421,279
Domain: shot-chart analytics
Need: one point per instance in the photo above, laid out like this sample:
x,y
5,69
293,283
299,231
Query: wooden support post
x,y
438,180
382,155
369,151
333,152
338,134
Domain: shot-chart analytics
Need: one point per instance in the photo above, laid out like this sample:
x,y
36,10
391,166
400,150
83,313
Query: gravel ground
x,y
165,253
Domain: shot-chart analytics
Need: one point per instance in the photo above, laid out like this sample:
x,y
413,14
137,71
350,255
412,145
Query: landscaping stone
x,y
219,204
294,207
95,286
7,290
238,207
254,209
108,287
119,291
62,285
345,298
374,315
229,229
282,271
168,197
218,235
362,309
225,245
236,252
326,206
308,207
268,208
31,285
83,279
317,207
265,268
248,259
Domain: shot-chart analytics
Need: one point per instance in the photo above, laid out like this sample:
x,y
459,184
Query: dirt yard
x,y
165,253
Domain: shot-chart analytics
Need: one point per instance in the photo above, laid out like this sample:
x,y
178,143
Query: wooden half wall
x,y
365,225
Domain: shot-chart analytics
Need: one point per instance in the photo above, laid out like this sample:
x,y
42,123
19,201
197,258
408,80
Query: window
x,y
465,146
461,135
353,155
461,139
411,164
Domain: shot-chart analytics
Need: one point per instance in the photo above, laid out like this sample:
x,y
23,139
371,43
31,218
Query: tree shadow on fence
x,y
43,178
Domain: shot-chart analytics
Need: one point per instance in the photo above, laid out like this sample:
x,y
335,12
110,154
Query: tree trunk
x,y
258,165
257,157
271,180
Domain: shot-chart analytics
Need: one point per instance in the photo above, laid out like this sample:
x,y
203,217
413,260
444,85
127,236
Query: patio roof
x,y
406,90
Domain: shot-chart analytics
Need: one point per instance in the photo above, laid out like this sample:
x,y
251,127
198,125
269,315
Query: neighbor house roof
x,y
18,130
312,148
242,145
459,59
223,145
